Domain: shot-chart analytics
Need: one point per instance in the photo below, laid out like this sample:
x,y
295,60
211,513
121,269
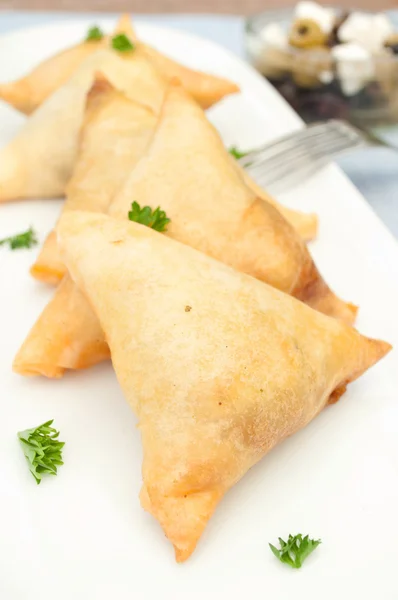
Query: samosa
x,y
29,92
114,135
204,90
39,161
188,170
218,366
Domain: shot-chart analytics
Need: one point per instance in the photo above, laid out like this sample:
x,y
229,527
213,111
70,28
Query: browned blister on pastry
x,y
218,366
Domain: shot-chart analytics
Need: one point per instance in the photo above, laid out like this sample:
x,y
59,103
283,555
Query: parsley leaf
x,y
295,550
236,153
22,240
156,219
43,451
94,34
121,43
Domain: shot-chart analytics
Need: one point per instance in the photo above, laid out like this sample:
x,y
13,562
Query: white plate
x,y
83,535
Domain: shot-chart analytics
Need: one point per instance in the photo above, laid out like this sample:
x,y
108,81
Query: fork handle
x,y
374,138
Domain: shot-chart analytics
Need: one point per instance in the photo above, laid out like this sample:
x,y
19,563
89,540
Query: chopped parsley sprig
x,y
94,34
236,153
27,239
295,550
42,449
156,219
122,43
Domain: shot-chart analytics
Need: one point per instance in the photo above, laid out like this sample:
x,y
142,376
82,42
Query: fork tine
x,y
320,146
291,158
310,137
292,179
303,151
267,177
289,178
295,153
296,138
301,162
307,132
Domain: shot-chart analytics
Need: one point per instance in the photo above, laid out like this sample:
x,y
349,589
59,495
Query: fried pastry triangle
x,y
109,151
28,93
205,88
188,171
218,366
114,135
39,161
67,334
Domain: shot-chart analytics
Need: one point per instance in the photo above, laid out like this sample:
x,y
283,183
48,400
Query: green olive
x,y
306,33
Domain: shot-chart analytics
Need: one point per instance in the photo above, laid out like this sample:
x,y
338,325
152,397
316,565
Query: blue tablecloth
x,y
373,171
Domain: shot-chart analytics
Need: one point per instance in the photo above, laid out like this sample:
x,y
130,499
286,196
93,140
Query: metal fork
x,y
291,159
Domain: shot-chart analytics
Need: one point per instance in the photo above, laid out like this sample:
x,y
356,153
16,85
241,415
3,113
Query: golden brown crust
x,y
49,267
28,93
75,341
124,25
213,210
50,136
114,134
235,375
183,518
313,290
98,93
305,224
207,200
206,89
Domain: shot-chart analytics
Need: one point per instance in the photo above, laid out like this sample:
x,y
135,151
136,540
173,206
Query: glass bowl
x,y
319,87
